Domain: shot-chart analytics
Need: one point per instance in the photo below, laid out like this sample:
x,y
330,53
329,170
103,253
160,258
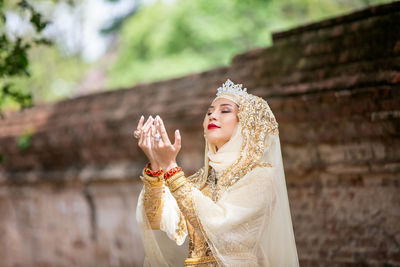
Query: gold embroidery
x,y
152,199
173,186
180,231
183,196
197,179
199,251
257,122
175,176
173,179
153,204
201,261
153,181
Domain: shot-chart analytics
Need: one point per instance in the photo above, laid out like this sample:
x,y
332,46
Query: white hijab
x,y
226,155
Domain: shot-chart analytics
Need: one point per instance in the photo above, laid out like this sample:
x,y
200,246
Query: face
x,y
221,121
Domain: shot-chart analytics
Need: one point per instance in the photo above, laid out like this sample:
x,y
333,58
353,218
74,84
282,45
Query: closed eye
x,y
222,111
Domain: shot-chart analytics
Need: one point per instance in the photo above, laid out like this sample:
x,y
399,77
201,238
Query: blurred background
x,y
75,76
54,50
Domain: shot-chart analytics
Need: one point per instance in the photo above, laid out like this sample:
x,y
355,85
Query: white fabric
x,y
278,241
160,247
235,223
227,154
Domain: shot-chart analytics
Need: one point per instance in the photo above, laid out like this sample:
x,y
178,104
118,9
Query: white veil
x,y
278,241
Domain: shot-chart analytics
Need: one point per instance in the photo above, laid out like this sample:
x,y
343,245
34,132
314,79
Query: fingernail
x,y
142,117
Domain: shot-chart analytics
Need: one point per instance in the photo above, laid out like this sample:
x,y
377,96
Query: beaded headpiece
x,y
233,89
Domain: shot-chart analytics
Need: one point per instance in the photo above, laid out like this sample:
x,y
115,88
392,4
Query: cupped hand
x,y
145,140
165,152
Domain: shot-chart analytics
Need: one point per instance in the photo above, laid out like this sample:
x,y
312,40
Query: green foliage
x,y
54,76
14,60
44,73
155,42
162,41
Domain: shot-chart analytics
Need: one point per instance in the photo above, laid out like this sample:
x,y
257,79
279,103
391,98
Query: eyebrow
x,y
222,105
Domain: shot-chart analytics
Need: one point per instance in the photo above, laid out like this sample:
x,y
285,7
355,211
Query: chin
x,y
214,138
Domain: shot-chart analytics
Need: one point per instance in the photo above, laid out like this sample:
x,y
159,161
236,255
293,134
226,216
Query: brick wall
x,y
68,196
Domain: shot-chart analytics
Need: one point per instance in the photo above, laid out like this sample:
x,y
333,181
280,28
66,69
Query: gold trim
x,y
183,197
153,203
174,177
201,260
152,181
153,184
178,182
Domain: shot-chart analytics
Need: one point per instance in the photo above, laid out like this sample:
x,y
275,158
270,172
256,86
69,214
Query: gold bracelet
x,y
152,181
174,177
177,183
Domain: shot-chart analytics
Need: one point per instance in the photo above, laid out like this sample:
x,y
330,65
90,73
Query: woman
x,y
235,209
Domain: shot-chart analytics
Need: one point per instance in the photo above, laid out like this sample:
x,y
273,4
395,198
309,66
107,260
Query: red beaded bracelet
x,y
151,173
171,172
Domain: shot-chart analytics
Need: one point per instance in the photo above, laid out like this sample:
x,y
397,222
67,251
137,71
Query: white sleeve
x,y
164,247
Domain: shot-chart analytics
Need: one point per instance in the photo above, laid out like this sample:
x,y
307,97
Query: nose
x,y
212,117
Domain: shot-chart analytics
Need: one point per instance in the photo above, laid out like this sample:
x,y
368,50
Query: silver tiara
x,y
233,89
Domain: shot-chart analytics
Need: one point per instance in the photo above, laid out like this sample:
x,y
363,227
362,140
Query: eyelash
x,y
224,111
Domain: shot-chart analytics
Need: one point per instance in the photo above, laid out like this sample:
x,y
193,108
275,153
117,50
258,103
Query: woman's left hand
x,y
165,152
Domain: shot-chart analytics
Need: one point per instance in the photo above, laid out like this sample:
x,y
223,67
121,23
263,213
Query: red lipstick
x,y
212,126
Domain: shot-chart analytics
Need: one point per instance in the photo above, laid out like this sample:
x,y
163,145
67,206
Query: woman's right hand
x,y
145,142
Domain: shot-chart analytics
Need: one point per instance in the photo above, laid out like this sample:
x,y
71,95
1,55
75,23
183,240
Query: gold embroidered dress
x,y
199,253
234,209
